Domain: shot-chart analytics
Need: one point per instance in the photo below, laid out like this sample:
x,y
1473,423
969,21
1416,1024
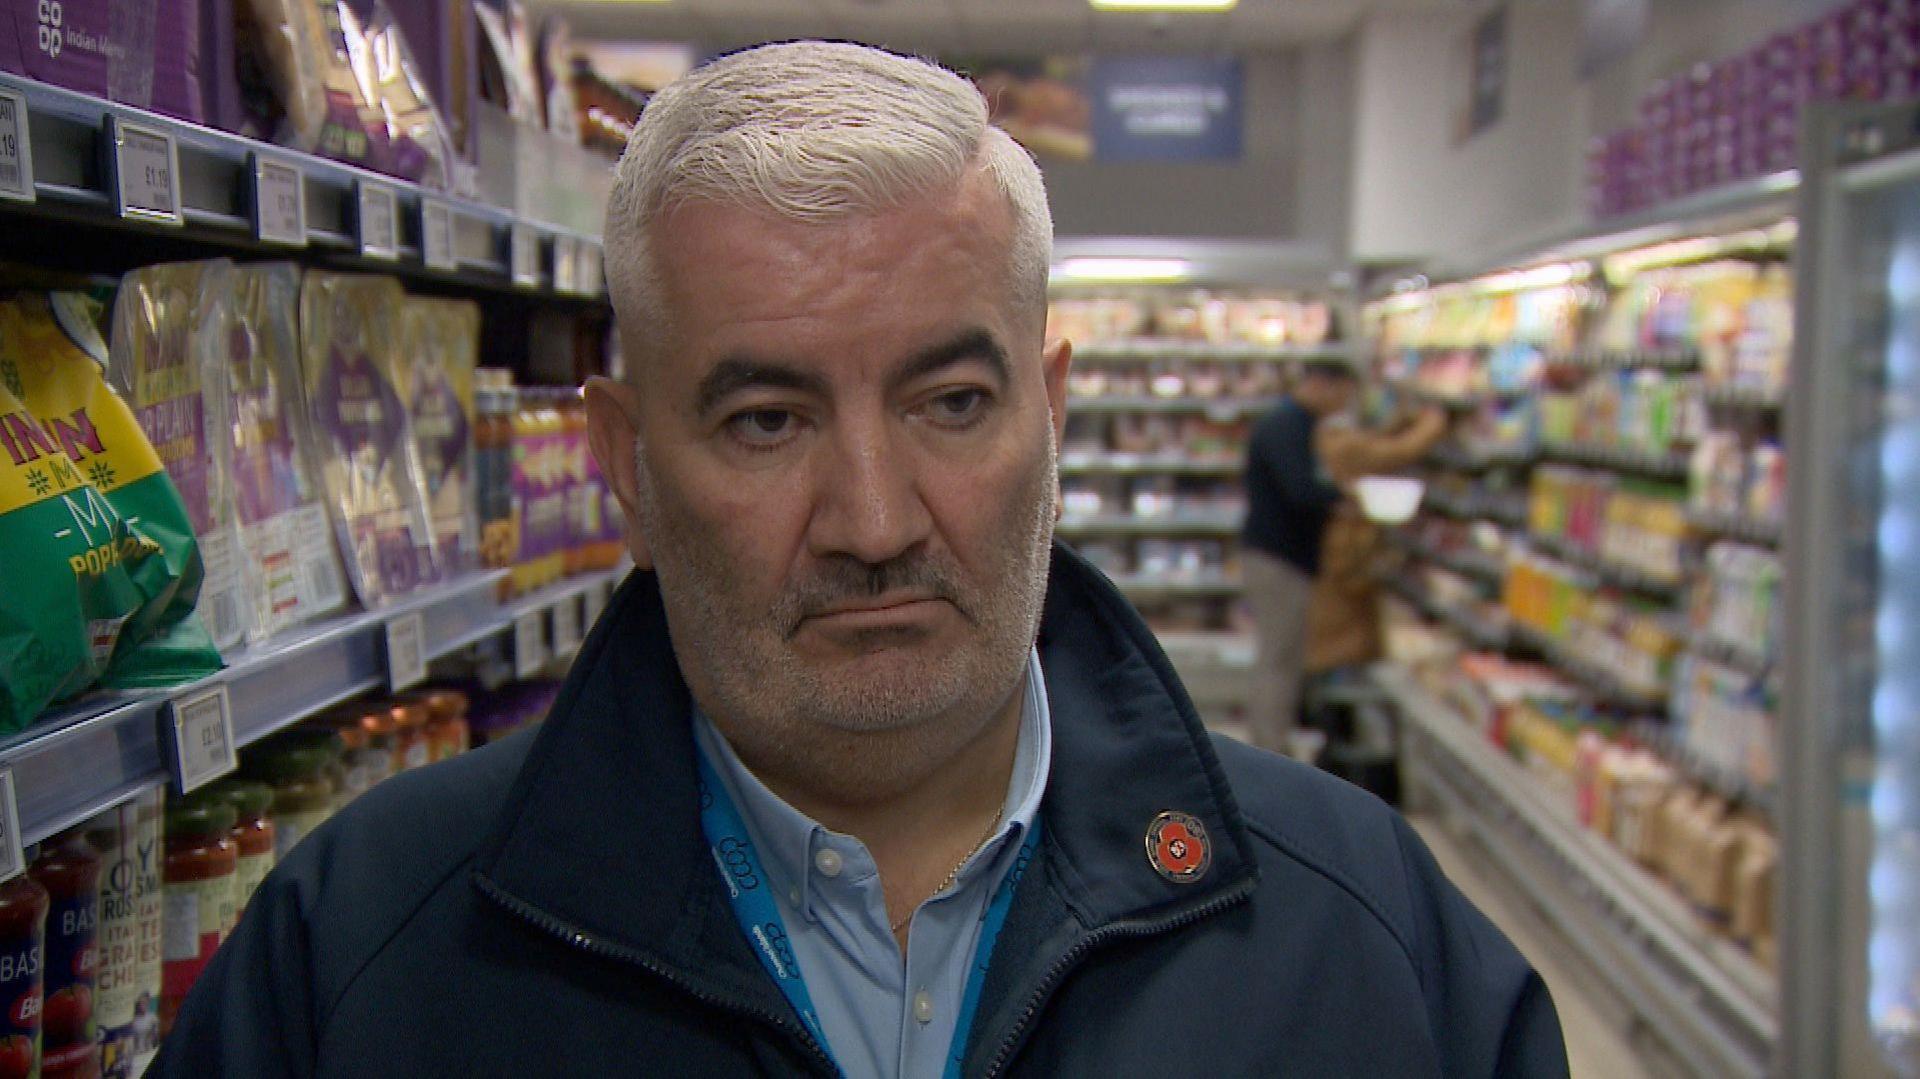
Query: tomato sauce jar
x,y
69,869
23,929
197,899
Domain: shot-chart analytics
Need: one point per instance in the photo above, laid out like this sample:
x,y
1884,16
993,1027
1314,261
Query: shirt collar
x,y
786,838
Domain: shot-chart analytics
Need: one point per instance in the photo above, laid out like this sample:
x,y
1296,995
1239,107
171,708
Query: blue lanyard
x,y
759,916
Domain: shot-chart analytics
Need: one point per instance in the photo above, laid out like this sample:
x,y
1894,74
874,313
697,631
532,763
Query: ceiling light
x,y
1163,5
1114,271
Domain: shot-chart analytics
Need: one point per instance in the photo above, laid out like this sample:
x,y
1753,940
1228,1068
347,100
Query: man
x,y
826,790
1289,501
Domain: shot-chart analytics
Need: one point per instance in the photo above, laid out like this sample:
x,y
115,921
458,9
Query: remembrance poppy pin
x,y
1177,847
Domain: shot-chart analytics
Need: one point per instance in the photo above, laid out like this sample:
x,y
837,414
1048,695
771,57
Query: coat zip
x,y
587,942
1088,943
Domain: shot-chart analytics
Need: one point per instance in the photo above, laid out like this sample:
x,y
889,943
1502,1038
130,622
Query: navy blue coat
x,y
545,906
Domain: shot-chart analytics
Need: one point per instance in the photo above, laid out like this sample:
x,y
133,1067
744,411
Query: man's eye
x,y
762,426
957,408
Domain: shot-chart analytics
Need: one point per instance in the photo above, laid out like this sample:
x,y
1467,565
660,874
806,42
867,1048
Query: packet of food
x,y
443,339
103,572
151,364
416,142
351,360
322,73
249,345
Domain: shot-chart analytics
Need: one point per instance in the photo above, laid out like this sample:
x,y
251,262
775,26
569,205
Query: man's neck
x,y
919,834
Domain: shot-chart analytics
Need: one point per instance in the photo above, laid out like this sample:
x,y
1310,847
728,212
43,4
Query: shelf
x,y
1510,512
1170,349
1143,587
216,194
96,752
1478,631
1630,578
1607,688
1744,399
1473,564
1740,793
1733,526
1660,466
1194,650
1456,459
1146,464
1714,1006
1460,402
1664,359
1121,524
1224,409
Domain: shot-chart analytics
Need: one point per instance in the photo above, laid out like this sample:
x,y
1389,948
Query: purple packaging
x,y
141,54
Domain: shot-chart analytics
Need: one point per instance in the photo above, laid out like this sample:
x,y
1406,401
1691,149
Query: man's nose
x,y
868,504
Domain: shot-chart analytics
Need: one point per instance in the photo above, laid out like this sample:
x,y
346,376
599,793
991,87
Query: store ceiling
x,y
993,27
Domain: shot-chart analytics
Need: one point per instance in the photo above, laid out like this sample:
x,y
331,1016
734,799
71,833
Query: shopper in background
x,y
813,798
1289,501
1343,616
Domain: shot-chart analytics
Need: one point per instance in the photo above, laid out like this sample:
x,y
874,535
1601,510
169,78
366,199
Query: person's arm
x,y
1351,454
251,1012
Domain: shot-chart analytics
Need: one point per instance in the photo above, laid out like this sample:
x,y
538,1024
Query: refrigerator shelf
x,y
1708,1001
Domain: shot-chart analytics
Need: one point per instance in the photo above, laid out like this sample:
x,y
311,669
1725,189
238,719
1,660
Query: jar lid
x,y
408,714
372,720
201,813
249,798
353,737
445,703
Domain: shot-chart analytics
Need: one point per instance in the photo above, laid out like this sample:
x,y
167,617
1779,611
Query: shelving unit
x,y
1134,464
1171,524
96,753
217,204
78,214
1710,1004
1225,408
1615,574
1658,466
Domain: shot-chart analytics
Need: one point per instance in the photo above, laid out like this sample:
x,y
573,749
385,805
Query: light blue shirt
x,y
884,1013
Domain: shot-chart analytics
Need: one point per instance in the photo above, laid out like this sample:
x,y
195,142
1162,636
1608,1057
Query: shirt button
x,y
827,861
923,1007
793,896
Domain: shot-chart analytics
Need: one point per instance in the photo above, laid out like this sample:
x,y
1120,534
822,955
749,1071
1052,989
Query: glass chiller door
x,y
1851,730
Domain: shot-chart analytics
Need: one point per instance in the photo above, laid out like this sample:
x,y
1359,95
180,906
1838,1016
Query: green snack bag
x,y
102,568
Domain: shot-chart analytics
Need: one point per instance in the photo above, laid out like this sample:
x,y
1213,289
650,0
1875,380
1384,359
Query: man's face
x,y
845,476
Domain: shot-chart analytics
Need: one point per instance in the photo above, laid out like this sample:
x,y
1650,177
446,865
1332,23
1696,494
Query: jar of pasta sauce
x,y
23,934
69,869
197,900
126,998
303,792
252,835
411,747
447,732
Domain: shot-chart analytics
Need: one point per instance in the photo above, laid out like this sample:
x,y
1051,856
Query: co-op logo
x,y
52,19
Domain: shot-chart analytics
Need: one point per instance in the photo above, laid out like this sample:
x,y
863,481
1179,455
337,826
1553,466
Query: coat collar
x,y
601,834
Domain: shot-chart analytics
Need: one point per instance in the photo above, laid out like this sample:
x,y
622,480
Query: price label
x,y
530,644
378,220
566,264
594,601
279,202
566,626
406,652
203,749
12,858
436,235
523,253
146,172
16,149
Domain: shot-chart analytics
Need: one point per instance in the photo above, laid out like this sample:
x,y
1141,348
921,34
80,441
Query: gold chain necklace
x,y
954,873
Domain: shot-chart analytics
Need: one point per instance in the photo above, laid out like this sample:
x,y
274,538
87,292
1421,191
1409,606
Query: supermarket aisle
x,y
1596,1046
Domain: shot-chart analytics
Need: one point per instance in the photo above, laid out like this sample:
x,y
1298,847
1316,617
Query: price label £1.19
x,y
146,172
16,149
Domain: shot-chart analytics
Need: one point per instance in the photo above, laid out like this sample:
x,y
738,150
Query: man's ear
x,y
1056,360
613,410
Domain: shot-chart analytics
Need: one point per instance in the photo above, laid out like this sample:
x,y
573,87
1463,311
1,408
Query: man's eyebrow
x,y
736,373
973,344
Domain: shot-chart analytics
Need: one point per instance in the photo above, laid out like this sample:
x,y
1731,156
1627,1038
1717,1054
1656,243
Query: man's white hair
x,y
819,132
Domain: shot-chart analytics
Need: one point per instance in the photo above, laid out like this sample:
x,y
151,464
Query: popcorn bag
x,y
103,572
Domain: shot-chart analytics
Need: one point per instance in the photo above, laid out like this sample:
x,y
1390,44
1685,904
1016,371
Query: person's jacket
x,y
1343,612
547,906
